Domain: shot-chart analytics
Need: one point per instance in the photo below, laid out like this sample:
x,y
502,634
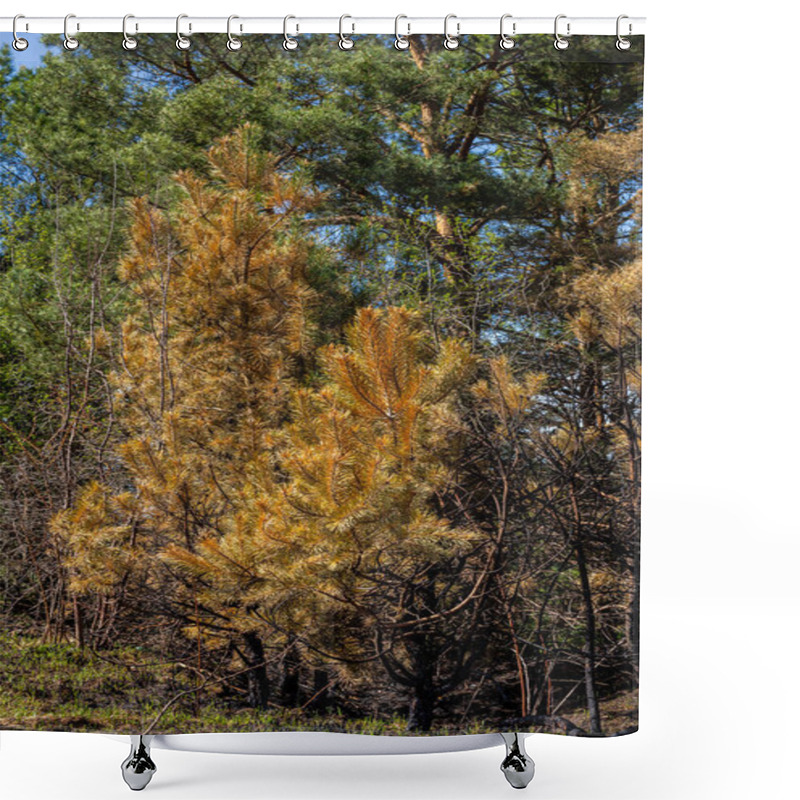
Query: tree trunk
x,y
634,615
591,657
290,686
257,681
423,701
423,654
589,389
320,698
76,608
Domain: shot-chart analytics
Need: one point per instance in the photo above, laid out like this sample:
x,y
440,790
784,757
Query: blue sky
x,y
31,57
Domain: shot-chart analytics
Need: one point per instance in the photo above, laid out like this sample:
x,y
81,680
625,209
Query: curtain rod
x,y
350,25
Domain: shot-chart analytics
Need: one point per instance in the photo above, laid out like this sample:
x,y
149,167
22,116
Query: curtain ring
x,y
18,44
400,41
622,42
70,43
128,42
234,43
181,42
288,42
560,42
451,42
345,42
506,42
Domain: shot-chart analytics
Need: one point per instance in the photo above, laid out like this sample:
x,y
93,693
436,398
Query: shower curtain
x,y
320,386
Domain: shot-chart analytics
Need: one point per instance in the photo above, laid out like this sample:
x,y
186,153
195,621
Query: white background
x,y
719,703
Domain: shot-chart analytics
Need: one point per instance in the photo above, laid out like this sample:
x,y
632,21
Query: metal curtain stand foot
x,y
517,766
138,768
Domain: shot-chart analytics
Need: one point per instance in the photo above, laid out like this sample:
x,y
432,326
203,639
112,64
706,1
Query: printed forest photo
x,y
320,386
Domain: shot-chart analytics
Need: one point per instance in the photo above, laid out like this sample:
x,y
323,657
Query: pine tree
x,y
220,332
353,554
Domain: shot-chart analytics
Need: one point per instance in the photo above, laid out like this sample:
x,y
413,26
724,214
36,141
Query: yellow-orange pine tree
x,y
354,554
219,333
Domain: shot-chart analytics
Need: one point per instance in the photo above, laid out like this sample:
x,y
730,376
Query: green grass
x,y
61,687
52,687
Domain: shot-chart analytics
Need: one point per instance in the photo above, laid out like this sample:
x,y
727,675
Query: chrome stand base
x,y
138,768
518,766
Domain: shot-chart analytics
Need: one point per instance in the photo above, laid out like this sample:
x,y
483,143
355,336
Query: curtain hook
x,y
622,42
18,44
450,41
288,42
345,42
506,42
400,41
128,42
560,42
70,43
234,43
182,42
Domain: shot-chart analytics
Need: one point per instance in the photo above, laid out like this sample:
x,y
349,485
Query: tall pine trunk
x,y
590,656
423,702
290,686
257,680
320,699
423,690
